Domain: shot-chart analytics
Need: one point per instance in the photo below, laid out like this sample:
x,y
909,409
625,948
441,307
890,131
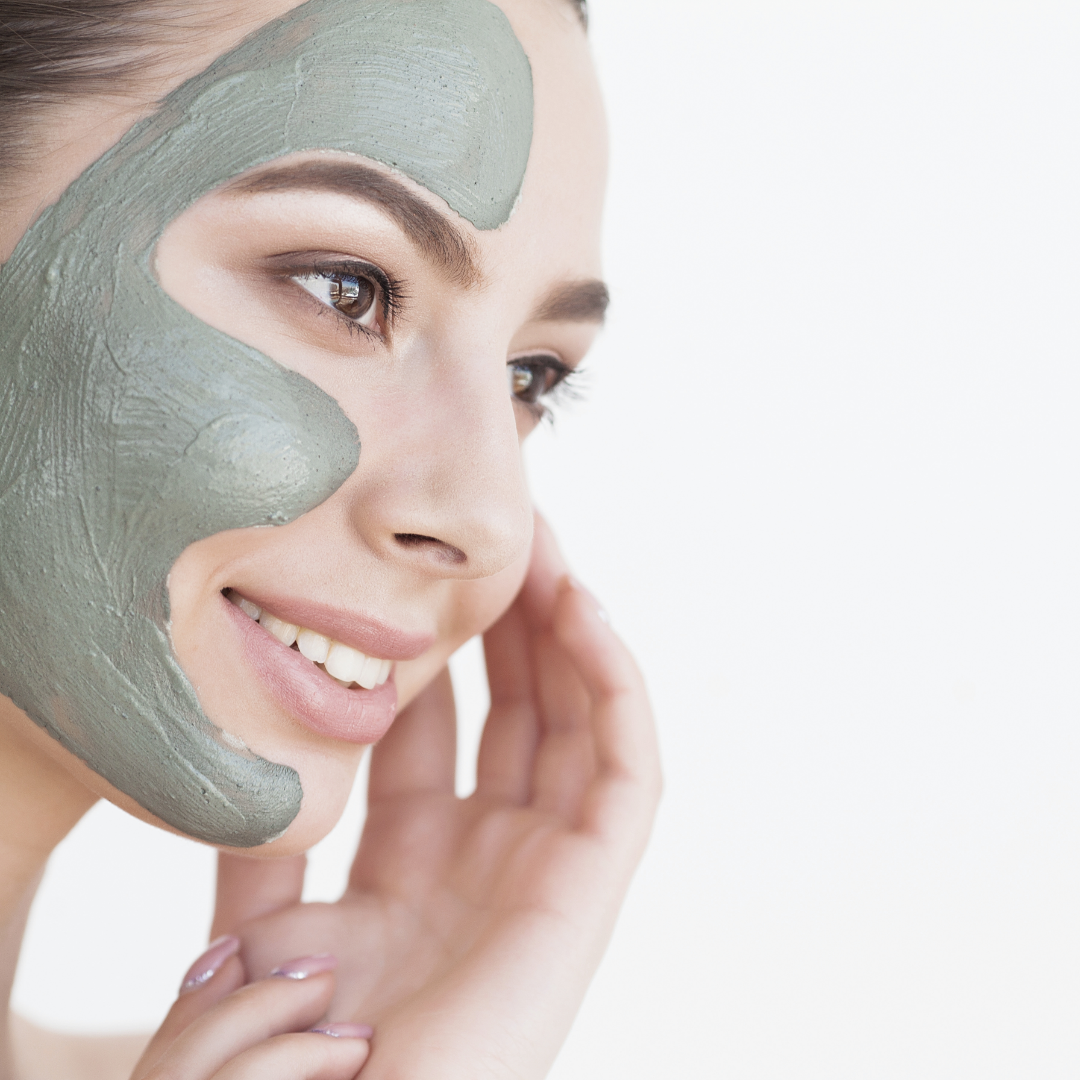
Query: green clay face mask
x,y
129,429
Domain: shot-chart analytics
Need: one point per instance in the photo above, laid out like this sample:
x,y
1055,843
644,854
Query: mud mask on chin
x,y
129,429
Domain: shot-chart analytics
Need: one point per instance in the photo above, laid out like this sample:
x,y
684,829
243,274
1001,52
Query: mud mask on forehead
x,y
130,429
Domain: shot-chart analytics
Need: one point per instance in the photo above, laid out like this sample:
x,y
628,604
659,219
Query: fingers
x,y
299,1057
419,752
505,763
215,975
542,696
552,662
547,567
623,797
292,1000
249,888
565,760
512,740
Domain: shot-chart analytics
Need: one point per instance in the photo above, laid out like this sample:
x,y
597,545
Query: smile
x,y
345,665
337,680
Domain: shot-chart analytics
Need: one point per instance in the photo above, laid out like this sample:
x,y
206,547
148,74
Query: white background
x,y
825,483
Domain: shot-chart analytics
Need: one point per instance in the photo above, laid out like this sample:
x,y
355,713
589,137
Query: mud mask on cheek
x,y
129,429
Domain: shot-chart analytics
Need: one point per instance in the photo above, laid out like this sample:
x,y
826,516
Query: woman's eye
x,y
533,377
355,296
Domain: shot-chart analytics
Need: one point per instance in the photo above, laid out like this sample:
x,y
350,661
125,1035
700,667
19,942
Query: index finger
x,y
249,888
504,765
622,799
547,567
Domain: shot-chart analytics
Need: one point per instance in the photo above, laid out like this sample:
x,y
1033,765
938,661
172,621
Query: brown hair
x,y
51,52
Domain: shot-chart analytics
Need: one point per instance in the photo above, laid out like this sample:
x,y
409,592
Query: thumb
x,y
249,888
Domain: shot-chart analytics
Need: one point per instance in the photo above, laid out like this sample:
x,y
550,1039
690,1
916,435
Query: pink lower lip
x,y
309,694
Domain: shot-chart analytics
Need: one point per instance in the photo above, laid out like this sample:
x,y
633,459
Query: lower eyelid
x,y
304,306
313,302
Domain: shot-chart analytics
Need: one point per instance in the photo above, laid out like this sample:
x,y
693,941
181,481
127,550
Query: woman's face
x,y
439,341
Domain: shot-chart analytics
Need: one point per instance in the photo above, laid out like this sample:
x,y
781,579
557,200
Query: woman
x,y
284,288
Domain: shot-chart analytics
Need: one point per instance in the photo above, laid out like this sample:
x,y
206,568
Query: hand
x,y
220,1029
470,928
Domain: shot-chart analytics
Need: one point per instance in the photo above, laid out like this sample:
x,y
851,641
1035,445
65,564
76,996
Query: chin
x,y
306,830
327,775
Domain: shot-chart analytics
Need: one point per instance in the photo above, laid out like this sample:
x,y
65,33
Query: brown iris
x,y
352,296
522,380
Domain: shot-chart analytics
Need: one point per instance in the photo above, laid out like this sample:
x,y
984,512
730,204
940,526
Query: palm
x,y
457,908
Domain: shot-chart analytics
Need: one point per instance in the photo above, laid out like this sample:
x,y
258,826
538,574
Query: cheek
x,y
471,608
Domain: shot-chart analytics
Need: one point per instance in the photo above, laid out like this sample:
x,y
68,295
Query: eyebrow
x,y
575,301
445,245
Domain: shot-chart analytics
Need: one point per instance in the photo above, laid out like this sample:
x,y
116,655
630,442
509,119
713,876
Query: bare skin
x,y
471,927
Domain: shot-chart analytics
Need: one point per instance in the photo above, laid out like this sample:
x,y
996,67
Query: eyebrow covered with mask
x,y
437,238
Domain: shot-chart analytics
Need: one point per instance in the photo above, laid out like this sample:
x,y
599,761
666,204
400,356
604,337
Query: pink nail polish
x,y
345,1031
206,967
306,966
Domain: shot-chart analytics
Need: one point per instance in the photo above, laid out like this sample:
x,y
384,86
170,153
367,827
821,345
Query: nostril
x,y
442,550
415,539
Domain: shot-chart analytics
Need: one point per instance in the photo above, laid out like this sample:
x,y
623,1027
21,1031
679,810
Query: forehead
x,y
543,123
440,90
564,184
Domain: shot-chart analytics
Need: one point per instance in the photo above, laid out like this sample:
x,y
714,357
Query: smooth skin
x,y
229,1031
470,928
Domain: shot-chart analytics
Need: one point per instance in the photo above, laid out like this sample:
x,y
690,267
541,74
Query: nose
x,y
441,484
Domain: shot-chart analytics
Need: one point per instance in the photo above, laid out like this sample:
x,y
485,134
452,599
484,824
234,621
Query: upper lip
x,y
361,632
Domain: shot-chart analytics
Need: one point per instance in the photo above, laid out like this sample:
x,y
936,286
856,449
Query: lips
x,y
307,691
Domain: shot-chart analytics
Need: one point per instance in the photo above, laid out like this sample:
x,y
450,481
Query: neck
x,y
40,802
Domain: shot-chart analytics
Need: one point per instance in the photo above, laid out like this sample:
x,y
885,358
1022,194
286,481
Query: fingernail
x,y
600,611
306,966
345,1031
206,967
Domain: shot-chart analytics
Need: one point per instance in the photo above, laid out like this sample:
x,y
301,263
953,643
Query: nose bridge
x,y
441,468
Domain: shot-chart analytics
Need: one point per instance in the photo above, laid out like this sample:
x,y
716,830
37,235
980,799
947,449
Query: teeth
x,y
313,646
343,664
248,608
369,673
285,632
252,611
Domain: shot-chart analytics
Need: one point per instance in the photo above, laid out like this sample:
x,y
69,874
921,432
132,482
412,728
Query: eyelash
x,y
566,384
388,290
